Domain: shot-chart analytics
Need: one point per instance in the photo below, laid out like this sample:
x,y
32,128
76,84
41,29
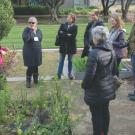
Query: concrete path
x,y
124,73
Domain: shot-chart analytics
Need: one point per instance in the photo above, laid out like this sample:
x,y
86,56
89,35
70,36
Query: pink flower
x,y
7,59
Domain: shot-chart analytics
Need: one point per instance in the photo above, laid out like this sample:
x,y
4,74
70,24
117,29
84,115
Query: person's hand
x,y
61,32
34,30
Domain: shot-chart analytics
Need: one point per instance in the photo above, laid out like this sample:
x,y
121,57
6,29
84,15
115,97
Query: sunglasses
x,y
31,22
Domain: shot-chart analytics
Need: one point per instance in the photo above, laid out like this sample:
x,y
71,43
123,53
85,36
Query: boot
x,y
28,81
35,78
70,76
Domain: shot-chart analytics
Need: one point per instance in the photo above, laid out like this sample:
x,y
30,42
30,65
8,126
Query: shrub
x,y
79,64
4,103
6,17
8,59
31,10
77,10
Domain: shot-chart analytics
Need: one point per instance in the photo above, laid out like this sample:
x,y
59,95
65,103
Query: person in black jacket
x,y
32,52
67,44
98,82
88,42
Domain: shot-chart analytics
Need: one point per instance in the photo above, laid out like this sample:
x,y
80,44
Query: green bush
x,y
79,64
4,103
54,101
77,10
3,81
31,10
6,17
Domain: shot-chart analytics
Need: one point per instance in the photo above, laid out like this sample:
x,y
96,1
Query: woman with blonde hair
x,y
117,37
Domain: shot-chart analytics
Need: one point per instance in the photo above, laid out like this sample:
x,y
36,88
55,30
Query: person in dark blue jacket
x,y
67,44
32,52
88,42
98,83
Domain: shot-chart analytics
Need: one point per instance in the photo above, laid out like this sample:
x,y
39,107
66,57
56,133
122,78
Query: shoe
x,y
28,84
28,81
35,78
70,77
132,98
131,93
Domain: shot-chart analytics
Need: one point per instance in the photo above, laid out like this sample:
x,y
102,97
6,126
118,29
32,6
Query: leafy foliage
x,y
4,102
45,114
79,64
8,58
6,17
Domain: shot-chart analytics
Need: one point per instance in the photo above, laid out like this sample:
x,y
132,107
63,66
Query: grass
x,y
49,34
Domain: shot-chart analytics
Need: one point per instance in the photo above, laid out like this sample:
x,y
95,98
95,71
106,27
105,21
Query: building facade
x,y
86,3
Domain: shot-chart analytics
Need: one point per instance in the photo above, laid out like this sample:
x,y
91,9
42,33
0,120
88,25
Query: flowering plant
x,y
7,59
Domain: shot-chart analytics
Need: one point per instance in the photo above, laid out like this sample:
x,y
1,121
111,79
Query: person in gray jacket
x,y
32,51
98,82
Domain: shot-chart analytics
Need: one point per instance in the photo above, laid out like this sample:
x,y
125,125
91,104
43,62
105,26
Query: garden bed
x,y
44,114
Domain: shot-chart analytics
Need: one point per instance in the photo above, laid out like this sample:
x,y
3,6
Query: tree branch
x,y
103,4
107,3
128,4
112,4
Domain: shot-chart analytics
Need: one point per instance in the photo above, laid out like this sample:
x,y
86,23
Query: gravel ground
x,y
122,112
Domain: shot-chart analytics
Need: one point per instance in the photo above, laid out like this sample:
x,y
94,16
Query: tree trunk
x,y
124,14
54,16
23,2
105,11
125,8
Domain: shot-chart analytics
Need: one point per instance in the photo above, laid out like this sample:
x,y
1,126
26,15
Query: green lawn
x,y
49,34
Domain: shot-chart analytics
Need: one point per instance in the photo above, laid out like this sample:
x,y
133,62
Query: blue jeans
x,y
61,64
133,64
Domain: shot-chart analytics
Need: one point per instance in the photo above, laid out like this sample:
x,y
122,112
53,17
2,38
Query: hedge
x,y
31,10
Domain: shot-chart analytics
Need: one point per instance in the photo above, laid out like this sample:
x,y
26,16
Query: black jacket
x,y
32,52
98,81
88,36
67,42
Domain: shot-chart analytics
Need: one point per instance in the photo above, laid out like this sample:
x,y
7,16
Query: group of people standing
x,y
104,50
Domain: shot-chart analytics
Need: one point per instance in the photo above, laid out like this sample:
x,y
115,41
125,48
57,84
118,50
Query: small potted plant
x,y
79,65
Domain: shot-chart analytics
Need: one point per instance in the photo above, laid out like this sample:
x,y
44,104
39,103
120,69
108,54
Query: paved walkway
x,y
124,73
49,50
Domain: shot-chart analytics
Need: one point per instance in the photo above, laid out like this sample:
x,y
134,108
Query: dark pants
x,y
61,64
32,71
118,63
100,118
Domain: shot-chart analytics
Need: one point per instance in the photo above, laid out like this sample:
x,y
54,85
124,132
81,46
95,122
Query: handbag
x,y
57,41
124,52
85,51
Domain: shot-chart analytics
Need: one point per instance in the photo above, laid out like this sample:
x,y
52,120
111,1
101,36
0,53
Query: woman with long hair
x,y
117,37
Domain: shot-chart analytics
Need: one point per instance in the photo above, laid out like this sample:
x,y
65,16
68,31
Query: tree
x,y
6,17
125,4
106,4
54,7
